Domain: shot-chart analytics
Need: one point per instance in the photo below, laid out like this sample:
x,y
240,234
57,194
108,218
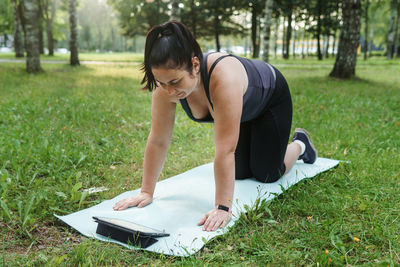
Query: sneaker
x,y
310,154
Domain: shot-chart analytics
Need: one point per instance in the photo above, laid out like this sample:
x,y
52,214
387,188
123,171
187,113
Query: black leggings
x,y
263,141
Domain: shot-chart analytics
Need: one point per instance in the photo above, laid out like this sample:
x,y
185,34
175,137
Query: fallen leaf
x,y
345,151
230,248
112,167
356,239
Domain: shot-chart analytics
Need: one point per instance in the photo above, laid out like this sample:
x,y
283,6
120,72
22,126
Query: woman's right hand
x,y
141,200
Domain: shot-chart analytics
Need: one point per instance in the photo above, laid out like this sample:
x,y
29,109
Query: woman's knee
x,y
269,175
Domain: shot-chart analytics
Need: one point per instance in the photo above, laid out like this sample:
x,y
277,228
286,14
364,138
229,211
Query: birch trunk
x,y
73,45
49,18
294,43
288,36
392,29
267,30
31,37
346,59
276,36
18,44
366,30
40,27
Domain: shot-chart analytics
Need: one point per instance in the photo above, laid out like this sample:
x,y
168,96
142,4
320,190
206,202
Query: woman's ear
x,y
196,64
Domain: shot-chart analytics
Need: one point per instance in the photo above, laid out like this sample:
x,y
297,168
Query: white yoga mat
x,y
181,201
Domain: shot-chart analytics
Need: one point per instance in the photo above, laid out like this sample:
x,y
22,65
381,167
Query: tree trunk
x,y
319,30
346,59
371,40
73,45
217,42
50,39
294,43
49,18
288,36
40,27
326,46
302,43
366,30
254,32
193,16
283,35
175,10
392,32
276,36
397,36
31,37
18,44
334,43
267,30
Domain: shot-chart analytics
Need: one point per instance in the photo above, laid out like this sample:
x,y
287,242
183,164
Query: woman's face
x,y
178,82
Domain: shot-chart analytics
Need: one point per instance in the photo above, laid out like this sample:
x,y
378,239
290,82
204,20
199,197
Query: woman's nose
x,y
170,89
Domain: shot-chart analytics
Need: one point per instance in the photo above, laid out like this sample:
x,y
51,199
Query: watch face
x,y
129,225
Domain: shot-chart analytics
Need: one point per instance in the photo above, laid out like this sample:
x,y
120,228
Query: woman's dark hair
x,y
171,45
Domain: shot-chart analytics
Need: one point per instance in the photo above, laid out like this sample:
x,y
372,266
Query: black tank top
x,y
261,85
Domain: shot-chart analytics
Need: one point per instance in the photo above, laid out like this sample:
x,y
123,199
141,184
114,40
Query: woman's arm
x,y
162,124
226,91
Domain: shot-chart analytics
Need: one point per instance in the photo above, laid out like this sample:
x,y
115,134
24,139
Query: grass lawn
x,y
68,129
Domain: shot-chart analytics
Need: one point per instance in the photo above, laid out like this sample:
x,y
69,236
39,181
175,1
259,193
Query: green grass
x,y
62,130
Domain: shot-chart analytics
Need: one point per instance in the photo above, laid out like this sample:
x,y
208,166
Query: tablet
x,y
128,232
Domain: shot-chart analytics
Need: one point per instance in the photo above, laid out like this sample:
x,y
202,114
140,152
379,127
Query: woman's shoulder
x,y
228,71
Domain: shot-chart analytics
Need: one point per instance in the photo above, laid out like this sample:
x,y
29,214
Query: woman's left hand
x,y
215,219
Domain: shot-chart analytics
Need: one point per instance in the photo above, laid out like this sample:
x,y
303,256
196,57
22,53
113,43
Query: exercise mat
x,y
181,201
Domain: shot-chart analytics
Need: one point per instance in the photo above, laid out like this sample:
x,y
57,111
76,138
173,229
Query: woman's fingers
x,y
140,200
214,220
144,202
203,220
125,203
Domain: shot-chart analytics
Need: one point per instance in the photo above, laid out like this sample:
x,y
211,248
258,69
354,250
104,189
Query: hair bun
x,y
166,32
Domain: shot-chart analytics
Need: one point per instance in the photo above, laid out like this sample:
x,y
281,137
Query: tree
x,y
40,27
324,14
138,17
175,10
346,58
268,22
18,44
74,60
286,9
220,13
393,28
6,20
366,29
212,18
31,36
49,11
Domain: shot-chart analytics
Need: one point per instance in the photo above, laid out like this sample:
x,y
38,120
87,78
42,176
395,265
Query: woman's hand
x,y
215,219
141,200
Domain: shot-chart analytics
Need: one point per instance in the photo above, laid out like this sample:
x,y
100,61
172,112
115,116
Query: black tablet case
x,y
125,235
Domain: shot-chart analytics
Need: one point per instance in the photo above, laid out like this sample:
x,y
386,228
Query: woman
x,y
247,100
